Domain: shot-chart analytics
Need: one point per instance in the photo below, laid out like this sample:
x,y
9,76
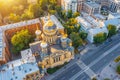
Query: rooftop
x,y
54,20
93,4
89,22
1,46
17,70
10,26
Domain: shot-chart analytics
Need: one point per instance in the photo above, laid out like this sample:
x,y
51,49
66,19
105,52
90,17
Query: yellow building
x,y
54,48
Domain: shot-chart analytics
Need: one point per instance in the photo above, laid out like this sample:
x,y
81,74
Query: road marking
x,y
73,71
82,78
94,62
106,53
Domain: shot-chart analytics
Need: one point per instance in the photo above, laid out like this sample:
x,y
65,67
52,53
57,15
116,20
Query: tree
x,y
20,40
63,14
14,18
77,41
100,37
36,10
44,4
118,69
69,14
52,11
83,35
58,9
72,22
112,30
27,15
94,78
76,14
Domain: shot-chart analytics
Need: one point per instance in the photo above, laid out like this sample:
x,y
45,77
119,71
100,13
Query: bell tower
x,y
38,33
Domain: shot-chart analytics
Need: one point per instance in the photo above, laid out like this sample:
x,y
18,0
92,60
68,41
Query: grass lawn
x,y
52,70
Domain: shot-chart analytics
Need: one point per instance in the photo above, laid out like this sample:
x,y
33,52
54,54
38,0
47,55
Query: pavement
x,y
109,72
91,62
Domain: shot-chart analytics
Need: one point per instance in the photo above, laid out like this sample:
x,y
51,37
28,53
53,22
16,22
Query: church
x,y
52,47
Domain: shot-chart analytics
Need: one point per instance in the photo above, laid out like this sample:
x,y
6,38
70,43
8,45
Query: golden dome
x,y
68,55
37,32
43,44
50,23
64,35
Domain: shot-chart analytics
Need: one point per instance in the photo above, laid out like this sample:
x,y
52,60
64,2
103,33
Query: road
x,y
70,72
95,61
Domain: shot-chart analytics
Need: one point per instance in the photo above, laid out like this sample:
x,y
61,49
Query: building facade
x,y
91,26
54,48
91,8
114,6
25,68
80,4
69,5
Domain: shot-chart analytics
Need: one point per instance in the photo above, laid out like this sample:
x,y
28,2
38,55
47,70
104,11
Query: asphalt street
x,y
68,73
105,60
83,76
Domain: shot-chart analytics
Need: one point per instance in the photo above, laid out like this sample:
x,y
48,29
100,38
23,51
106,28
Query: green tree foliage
x,y
112,30
76,14
14,18
100,37
72,26
52,12
77,41
69,14
117,59
36,10
21,40
27,15
58,9
63,14
44,4
94,78
118,69
72,22
83,35
12,6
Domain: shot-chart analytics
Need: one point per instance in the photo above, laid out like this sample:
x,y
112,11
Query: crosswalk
x,y
85,69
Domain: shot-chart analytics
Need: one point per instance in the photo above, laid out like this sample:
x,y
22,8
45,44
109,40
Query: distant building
x,y
113,15
69,5
91,8
114,6
22,69
7,31
54,48
114,21
91,26
80,4
5,55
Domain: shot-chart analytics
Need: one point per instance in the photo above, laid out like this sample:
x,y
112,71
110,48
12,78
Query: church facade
x,y
52,47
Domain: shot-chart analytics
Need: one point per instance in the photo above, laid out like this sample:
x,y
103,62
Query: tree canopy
x,y
112,30
77,41
21,40
100,37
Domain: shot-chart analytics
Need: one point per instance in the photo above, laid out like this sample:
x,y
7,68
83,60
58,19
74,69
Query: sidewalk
x,y
109,72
